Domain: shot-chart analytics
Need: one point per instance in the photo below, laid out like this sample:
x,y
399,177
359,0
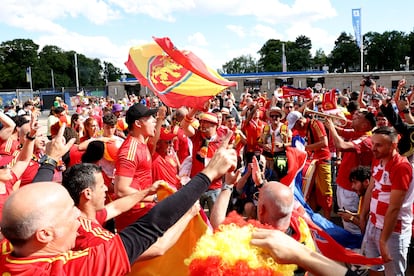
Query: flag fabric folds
x,y
356,22
330,239
289,91
329,100
178,78
174,257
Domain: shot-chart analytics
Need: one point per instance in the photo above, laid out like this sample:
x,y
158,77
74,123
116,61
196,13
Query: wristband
x,y
28,137
261,184
188,119
48,160
227,187
155,198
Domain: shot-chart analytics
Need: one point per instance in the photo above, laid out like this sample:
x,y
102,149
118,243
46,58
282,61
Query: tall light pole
x,y
407,63
53,79
76,72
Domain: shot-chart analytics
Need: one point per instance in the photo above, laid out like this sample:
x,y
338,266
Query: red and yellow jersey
x,y
9,146
107,259
91,233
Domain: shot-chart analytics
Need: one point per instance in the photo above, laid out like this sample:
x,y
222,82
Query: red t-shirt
x,y
397,174
6,188
91,233
360,155
75,155
30,173
107,259
181,144
9,146
134,161
165,168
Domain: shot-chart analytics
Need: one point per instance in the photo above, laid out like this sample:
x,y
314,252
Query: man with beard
x,y
206,140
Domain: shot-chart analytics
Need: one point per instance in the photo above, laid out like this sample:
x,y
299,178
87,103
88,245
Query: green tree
x,y
242,64
386,51
320,59
271,56
54,58
345,54
16,55
110,72
298,55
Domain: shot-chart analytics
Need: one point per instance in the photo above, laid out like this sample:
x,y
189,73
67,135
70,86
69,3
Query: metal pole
x,y
53,79
362,44
362,55
76,72
284,65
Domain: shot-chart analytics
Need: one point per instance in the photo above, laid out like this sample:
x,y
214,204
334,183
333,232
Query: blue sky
x,y
215,30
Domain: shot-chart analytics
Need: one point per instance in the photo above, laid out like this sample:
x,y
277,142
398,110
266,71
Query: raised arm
x,y
218,214
8,126
185,124
286,250
144,232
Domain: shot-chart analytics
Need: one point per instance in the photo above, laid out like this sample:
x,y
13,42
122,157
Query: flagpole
x,y
362,43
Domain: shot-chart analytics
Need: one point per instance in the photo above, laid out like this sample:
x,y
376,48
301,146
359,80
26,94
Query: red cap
x,y
166,134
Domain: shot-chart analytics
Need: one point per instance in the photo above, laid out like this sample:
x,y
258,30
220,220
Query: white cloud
x,y
91,46
319,37
39,15
238,30
162,10
197,39
265,32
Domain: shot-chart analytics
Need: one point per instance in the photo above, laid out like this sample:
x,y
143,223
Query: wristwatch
x,y
48,160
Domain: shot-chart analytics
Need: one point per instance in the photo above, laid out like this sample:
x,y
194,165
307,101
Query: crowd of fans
x,y
112,156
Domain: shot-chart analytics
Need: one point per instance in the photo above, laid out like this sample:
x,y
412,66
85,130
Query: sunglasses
x,y
5,167
275,116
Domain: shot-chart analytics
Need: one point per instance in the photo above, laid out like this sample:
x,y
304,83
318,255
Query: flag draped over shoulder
x,y
178,78
172,262
289,91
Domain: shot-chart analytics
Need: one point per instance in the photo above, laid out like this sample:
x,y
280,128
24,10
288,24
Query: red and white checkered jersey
x,y
397,174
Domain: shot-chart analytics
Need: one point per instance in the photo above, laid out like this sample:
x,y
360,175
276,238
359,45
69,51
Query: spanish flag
x,y
178,78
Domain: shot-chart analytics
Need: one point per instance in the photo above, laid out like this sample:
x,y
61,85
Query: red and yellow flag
x,y
178,78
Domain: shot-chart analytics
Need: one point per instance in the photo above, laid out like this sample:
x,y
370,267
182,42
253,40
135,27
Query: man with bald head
x,y
274,208
275,205
40,221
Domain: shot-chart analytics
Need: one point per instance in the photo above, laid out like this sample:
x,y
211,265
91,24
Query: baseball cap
x,y
209,117
5,160
166,134
138,111
292,118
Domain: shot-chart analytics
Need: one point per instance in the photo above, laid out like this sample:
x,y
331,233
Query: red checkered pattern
x,y
397,174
